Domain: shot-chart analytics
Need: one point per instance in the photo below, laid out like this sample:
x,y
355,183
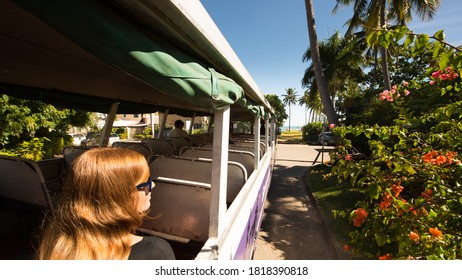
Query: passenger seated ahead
x,y
105,198
178,131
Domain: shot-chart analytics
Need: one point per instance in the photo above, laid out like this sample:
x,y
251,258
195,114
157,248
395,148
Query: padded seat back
x,y
198,170
22,187
179,210
159,146
245,158
179,143
197,140
70,153
135,146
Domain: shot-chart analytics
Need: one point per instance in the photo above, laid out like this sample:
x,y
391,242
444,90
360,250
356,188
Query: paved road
x,y
292,228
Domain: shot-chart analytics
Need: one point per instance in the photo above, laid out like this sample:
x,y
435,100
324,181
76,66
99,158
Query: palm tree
x,y
317,65
312,101
303,101
289,98
342,60
376,14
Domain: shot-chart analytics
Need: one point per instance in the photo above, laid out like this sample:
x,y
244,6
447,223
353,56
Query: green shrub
x,y
411,172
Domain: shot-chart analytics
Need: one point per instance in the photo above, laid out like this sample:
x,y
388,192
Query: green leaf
x,y
409,169
444,59
432,214
409,40
439,35
381,239
373,190
372,38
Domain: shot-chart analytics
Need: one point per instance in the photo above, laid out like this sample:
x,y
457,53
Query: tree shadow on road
x,y
291,223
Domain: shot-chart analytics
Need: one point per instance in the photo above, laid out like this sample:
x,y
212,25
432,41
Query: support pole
x,y
219,172
110,117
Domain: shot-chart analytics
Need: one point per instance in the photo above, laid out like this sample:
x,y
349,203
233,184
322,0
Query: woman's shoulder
x,y
152,248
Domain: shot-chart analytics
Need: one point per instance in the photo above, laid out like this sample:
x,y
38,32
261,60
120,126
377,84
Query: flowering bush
x,y
412,177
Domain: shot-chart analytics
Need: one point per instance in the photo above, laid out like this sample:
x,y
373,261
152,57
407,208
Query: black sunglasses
x,y
146,186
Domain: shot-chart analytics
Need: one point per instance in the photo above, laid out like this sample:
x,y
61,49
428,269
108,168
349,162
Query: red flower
x,y
346,248
385,257
360,217
436,74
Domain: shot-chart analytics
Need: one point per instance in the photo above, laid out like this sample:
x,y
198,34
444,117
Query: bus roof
x,y
146,55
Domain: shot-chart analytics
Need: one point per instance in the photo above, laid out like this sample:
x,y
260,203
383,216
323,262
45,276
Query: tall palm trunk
x,y
317,65
289,116
383,50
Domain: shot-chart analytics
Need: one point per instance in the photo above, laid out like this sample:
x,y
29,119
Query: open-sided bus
x,y
147,56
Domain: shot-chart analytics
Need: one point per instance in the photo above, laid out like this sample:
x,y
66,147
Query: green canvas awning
x,y
125,44
87,103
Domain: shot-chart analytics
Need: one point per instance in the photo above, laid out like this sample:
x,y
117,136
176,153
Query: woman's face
x,y
144,200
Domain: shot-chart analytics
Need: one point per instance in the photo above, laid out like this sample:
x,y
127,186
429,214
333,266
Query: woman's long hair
x,y
97,212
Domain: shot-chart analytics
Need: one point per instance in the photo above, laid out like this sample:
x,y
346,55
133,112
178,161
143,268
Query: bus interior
x,y
101,56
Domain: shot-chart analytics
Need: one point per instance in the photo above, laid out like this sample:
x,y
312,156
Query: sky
x,y
271,36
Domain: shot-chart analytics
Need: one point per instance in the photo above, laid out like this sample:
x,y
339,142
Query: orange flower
x,y
424,212
440,159
385,257
428,157
360,217
346,248
427,194
397,189
386,202
414,236
451,156
435,232
434,157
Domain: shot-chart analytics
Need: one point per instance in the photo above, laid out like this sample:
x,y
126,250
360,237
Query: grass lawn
x,y
295,137
330,195
290,137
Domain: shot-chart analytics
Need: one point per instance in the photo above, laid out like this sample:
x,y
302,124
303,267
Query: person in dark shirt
x,y
105,197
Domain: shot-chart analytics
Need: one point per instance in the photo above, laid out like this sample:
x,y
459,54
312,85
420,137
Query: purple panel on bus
x,y
244,250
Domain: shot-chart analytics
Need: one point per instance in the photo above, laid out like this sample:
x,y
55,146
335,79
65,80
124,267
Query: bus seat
x,y
245,158
52,170
135,146
250,143
247,148
70,153
179,143
197,140
23,186
199,170
208,137
159,146
24,203
179,210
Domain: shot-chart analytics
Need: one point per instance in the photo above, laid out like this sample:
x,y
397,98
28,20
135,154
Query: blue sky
x,y
271,36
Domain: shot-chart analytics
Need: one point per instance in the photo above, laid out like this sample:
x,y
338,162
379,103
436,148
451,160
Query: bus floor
x,y
187,251
19,237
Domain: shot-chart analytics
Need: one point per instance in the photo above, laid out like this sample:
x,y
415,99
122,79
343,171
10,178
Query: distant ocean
x,y
292,128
